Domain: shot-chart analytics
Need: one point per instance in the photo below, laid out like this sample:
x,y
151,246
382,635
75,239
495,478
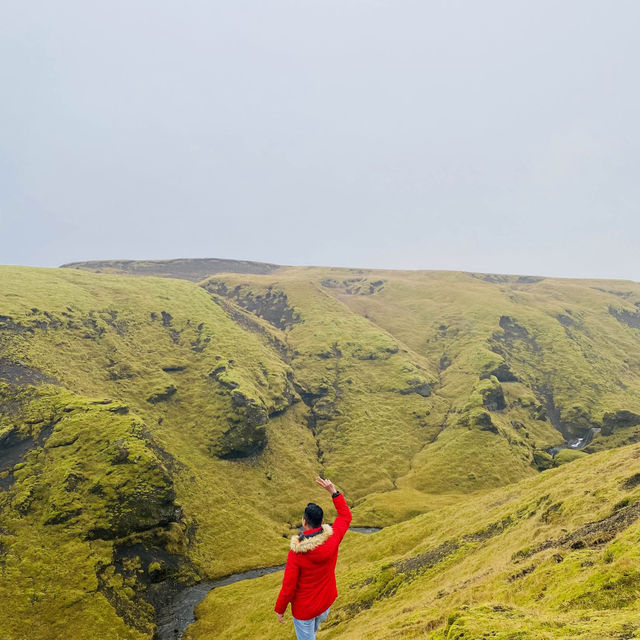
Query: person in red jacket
x,y
309,581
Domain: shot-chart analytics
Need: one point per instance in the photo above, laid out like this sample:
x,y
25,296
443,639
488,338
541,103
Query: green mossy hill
x,y
551,557
147,424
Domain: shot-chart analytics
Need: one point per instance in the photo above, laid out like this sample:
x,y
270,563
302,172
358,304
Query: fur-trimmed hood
x,y
307,544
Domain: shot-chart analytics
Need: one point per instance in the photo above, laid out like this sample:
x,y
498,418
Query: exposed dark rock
x,y
240,441
273,305
176,613
121,409
513,340
354,286
522,573
8,324
21,374
631,482
445,363
161,396
621,294
167,318
156,576
216,374
201,340
246,435
630,318
565,320
419,386
174,368
618,420
427,560
543,460
493,397
576,422
14,446
167,322
140,510
484,423
247,320
502,372
592,534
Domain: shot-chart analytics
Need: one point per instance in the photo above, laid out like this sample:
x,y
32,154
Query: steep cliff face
x,y
147,423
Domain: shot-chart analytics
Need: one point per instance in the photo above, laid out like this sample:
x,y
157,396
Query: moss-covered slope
x,y
150,426
552,557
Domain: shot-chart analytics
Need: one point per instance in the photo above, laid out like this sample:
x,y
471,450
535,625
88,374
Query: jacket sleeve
x,y
343,520
289,583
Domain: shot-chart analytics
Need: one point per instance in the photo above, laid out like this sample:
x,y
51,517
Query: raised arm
x,y
343,520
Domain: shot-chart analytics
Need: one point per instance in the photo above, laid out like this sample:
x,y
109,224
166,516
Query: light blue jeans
x,y
306,629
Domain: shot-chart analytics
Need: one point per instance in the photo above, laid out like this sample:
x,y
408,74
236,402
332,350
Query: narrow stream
x,y
180,613
176,617
577,443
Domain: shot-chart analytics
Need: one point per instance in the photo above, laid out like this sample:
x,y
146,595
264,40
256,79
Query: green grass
x,y
519,562
187,416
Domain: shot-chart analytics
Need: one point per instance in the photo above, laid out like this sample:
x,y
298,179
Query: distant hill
x,y
185,268
148,424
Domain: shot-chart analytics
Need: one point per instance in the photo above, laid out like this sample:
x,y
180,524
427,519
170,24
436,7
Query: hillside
x,y
555,556
149,423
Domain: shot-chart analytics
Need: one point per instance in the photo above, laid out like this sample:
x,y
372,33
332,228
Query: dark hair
x,y
313,514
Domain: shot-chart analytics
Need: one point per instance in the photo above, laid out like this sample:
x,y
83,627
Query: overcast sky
x,y
498,136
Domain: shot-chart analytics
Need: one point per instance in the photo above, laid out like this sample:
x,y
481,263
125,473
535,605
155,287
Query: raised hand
x,y
326,484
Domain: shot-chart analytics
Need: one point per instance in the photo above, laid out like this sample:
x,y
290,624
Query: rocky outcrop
x,y
419,386
492,394
272,304
161,396
246,435
501,372
618,420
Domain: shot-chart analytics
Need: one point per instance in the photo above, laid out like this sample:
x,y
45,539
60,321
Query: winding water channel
x,y
179,614
576,443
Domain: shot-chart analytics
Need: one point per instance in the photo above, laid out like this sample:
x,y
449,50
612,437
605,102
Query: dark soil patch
x,y
20,374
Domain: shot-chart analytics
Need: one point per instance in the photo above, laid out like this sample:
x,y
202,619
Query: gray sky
x,y
496,136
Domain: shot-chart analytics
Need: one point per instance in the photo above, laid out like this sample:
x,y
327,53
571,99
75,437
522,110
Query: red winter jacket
x,y
309,581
